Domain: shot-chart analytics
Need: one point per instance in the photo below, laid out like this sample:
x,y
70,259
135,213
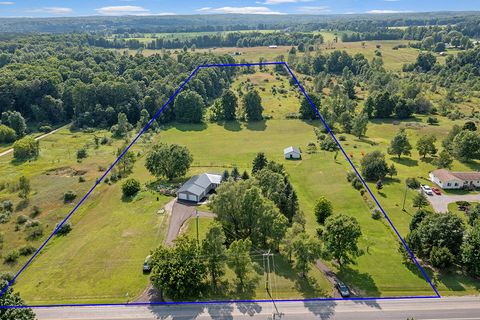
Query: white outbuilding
x,y
292,153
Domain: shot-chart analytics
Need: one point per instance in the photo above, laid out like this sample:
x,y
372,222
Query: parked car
x,y
436,191
342,289
147,264
427,190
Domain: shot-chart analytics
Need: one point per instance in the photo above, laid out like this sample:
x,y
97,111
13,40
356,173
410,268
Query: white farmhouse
x,y
198,187
455,180
292,153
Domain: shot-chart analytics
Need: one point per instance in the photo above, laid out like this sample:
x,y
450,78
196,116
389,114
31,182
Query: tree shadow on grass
x,y
185,127
409,162
257,125
453,279
362,284
308,286
232,125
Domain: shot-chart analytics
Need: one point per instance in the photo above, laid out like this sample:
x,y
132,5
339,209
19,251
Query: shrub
x,y
5,216
441,257
81,153
7,134
81,179
7,276
35,212
69,196
376,214
45,129
34,232
27,250
328,144
357,183
11,257
412,183
342,138
25,148
7,205
130,187
432,120
21,219
104,140
64,229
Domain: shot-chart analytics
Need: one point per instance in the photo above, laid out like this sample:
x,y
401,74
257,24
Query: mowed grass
x,y
379,271
391,196
101,259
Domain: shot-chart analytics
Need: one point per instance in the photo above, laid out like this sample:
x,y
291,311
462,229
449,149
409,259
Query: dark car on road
x,y
343,289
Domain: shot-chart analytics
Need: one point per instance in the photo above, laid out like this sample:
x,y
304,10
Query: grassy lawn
x,y
101,259
317,174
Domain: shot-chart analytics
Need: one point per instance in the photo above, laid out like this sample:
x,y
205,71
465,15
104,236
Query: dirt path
x,y
37,138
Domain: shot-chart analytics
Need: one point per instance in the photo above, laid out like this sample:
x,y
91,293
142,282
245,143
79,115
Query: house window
x,y
456,184
449,184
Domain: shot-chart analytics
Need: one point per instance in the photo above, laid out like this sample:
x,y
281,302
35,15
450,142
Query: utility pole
x,y
196,214
268,287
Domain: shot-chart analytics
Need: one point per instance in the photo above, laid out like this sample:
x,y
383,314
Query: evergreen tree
x,y
252,104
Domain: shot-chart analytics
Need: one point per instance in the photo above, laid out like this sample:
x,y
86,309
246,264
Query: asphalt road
x,y
461,308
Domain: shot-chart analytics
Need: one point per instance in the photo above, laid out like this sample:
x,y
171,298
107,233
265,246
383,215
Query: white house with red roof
x,y
446,179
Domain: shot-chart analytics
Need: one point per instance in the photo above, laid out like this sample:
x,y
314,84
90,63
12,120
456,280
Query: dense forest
x,y
228,22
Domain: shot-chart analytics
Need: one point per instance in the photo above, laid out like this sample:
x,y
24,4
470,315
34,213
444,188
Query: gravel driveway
x,y
440,203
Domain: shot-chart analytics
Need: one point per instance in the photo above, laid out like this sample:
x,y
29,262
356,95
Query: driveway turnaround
x,y
440,203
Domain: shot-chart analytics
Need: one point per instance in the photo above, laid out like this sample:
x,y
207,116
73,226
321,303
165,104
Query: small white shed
x,y
292,153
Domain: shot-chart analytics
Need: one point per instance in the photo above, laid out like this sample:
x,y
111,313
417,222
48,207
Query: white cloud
x,y
6,3
273,2
239,10
314,9
122,10
384,11
52,10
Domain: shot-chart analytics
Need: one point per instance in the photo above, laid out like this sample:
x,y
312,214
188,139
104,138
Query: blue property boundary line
x,y
147,126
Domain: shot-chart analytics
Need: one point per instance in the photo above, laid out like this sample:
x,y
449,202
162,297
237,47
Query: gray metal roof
x,y
291,149
200,183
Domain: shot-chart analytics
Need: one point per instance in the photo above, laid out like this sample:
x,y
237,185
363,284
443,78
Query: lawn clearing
x,y
379,271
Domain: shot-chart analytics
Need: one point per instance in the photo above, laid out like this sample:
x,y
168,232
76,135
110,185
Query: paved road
x,y
464,308
37,138
440,203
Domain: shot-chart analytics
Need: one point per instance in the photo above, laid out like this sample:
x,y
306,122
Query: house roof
x,y
291,149
445,175
199,183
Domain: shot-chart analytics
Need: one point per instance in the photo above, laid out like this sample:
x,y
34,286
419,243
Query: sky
x,y
69,8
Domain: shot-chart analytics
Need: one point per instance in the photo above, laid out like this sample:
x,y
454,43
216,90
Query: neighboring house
x,y
292,153
273,46
455,180
198,187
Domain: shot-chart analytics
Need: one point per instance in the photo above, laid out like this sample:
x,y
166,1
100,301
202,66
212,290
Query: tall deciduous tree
x,y
26,148
359,125
188,107
466,145
307,111
323,209
169,161
400,144
252,104
215,252
239,260
178,271
426,145
229,104
305,251
374,166
341,236
471,250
